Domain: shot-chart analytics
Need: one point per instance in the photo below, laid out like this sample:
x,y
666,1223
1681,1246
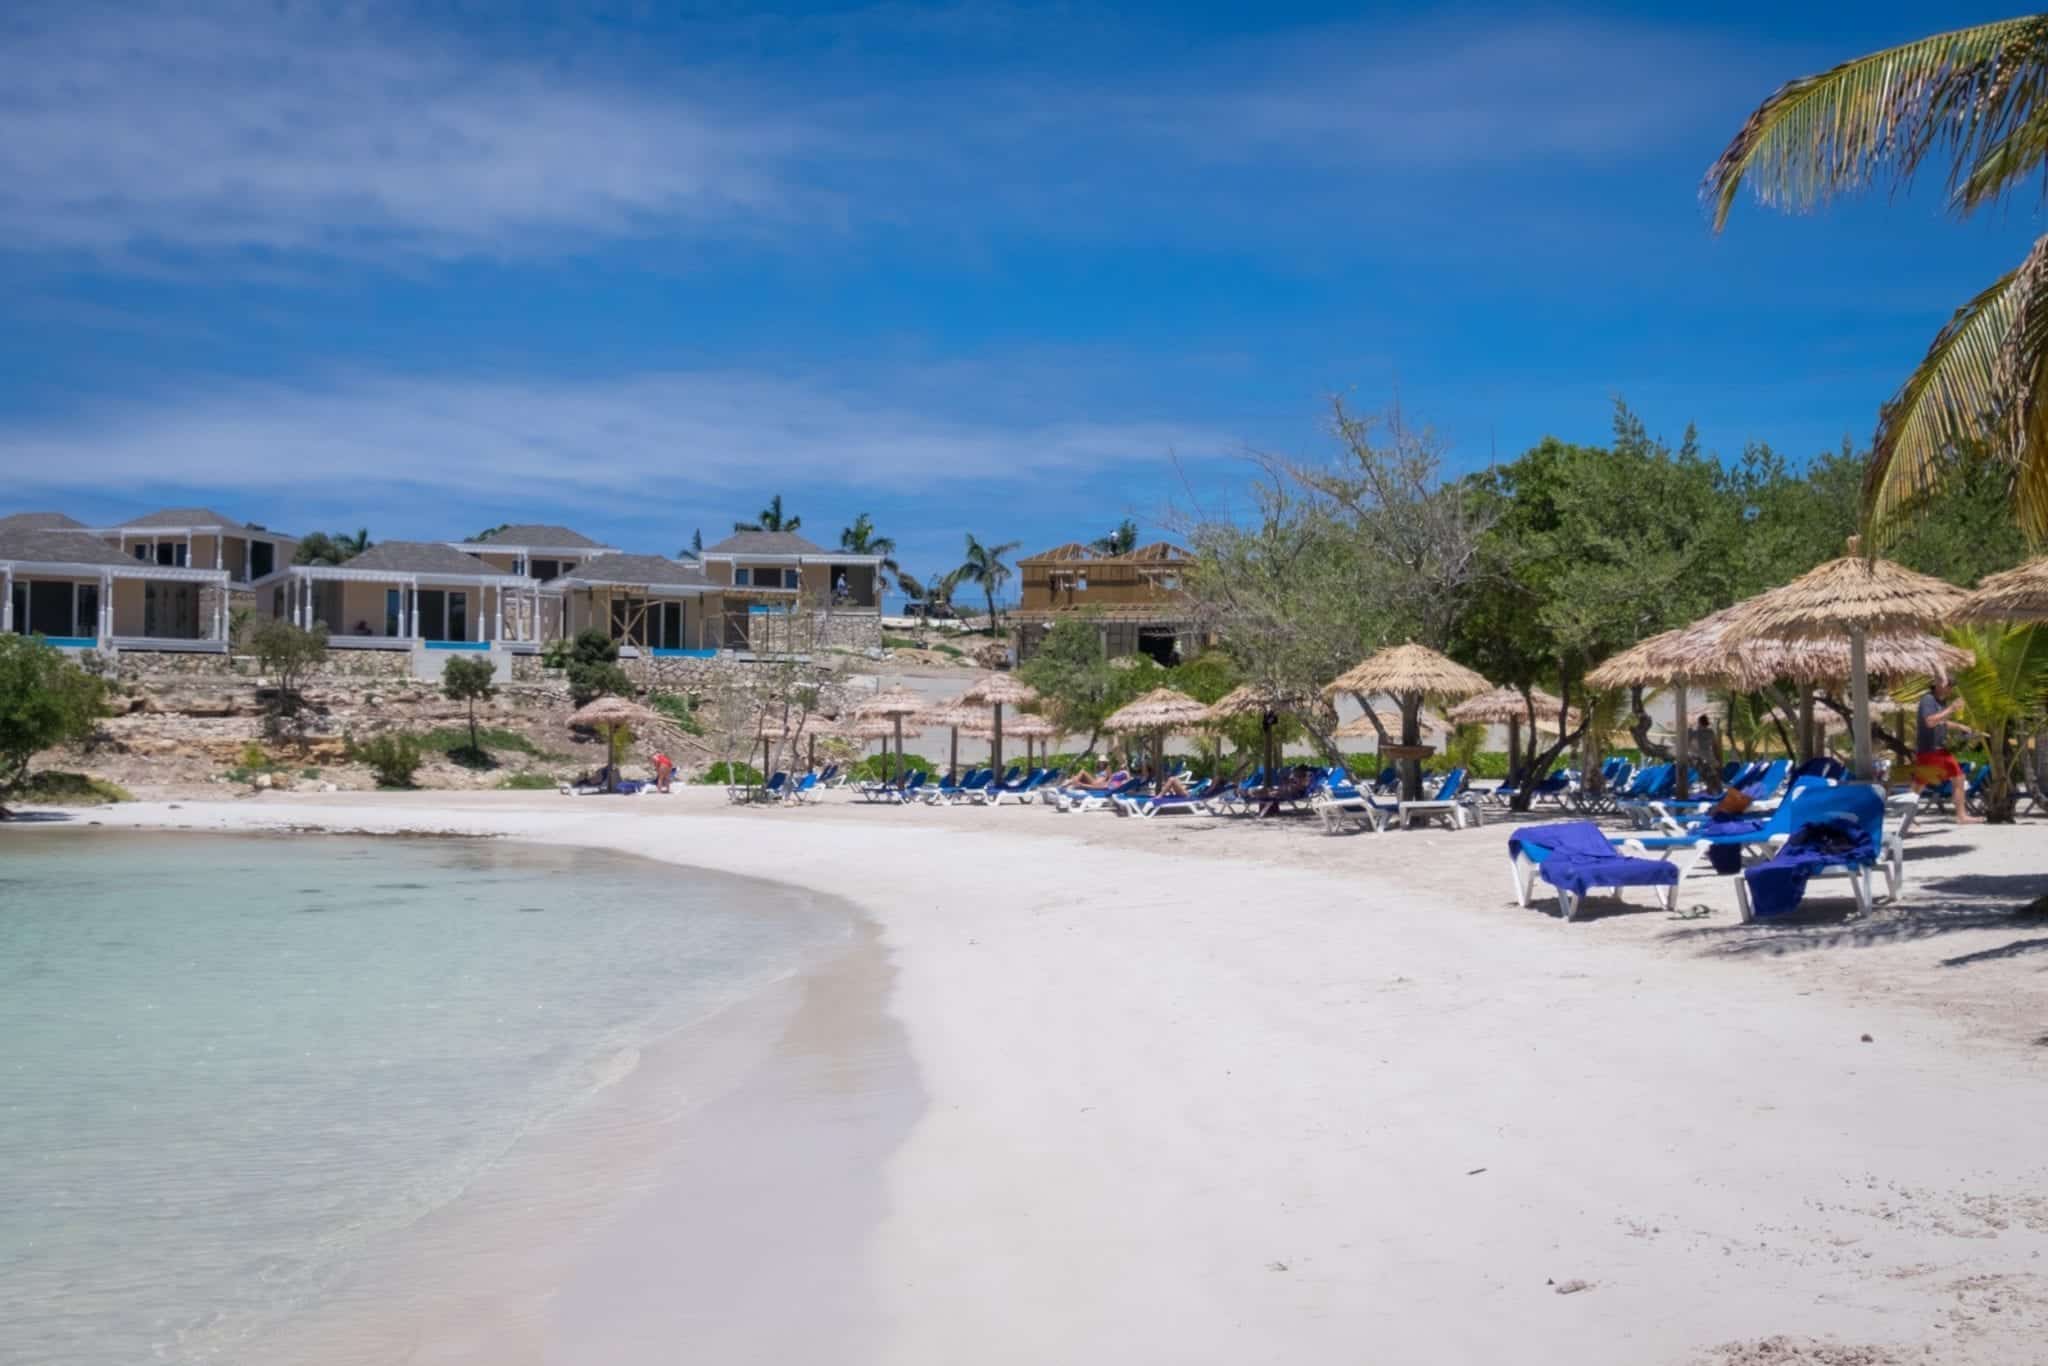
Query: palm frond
x,y
1976,96
1952,396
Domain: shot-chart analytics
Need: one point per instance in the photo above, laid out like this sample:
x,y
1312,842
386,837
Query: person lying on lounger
x,y
1095,781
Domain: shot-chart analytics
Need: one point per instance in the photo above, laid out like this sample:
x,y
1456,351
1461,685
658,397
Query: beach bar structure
x,y
400,593
66,583
1135,600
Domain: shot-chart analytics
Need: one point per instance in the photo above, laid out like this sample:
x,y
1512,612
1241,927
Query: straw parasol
x,y
1857,598
2016,595
1157,712
954,716
999,691
1026,726
1266,702
1410,673
1681,658
608,714
892,705
1507,705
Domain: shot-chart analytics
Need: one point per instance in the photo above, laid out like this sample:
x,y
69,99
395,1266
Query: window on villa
x,y
669,635
391,611
85,614
792,578
142,552
547,569
743,577
262,559
21,609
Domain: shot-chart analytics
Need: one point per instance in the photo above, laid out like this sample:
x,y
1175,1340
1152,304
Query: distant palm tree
x,y
1975,100
984,565
860,539
770,518
318,547
1121,541
695,549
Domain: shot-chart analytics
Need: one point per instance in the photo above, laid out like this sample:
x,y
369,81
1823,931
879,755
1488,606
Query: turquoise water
x,y
229,1065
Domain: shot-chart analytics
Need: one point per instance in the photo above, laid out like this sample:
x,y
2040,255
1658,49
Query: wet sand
x,y
1210,1093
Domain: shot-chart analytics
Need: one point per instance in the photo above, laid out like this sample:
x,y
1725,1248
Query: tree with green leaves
x,y
489,532
770,518
984,566
860,539
45,701
1973,104
287,653
592,669
466,681
1120,541
1074,677
320,547
2005,697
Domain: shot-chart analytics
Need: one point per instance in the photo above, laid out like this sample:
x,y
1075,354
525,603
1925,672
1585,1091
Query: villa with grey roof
x,y
171,579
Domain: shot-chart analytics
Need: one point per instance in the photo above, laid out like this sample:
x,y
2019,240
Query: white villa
x,y
170,580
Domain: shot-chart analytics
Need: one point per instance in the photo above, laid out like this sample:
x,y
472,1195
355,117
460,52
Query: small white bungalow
x,y
398,593
63,582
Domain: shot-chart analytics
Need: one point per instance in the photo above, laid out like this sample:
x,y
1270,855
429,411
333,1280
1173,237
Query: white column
x,y
188,552
6,599
248,559
106,626
220,550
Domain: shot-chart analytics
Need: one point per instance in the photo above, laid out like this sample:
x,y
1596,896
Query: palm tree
x,y
2005,696
1975,102
318,547
860,539
770,518
984,565
1121,541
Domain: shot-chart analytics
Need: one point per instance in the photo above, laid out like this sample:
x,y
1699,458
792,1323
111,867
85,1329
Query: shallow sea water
x,y
231,1065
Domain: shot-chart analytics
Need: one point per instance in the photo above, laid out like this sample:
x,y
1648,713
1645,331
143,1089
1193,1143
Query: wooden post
x,y
1859,709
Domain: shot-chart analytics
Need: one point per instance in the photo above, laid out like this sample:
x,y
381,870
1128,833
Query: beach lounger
x,y
1195,799
1450,800
1021,793
1574,857
1811,799
1841,834
1094,798
1339,804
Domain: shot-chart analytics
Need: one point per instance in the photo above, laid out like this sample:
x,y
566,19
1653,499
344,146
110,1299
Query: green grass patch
x,y
494,739
527,782
733,775
52,788
678,709
311,775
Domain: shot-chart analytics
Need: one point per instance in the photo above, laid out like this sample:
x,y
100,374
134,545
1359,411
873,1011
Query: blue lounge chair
x,y
1811,799
1574,857
1342,802
1195,800
1840,831
1450,800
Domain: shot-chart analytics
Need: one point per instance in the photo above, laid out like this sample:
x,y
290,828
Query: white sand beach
x,y
1244,1093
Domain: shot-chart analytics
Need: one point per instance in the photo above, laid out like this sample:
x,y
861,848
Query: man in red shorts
x,y
1933,763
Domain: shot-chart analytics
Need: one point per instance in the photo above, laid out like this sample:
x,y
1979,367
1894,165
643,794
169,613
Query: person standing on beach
x,y
1932,761
1704,748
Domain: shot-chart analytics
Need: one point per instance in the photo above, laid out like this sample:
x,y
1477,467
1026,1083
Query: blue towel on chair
x,y
1778,886
1544,842
1574,856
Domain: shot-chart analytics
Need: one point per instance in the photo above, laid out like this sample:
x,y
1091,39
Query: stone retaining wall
x,y
139,666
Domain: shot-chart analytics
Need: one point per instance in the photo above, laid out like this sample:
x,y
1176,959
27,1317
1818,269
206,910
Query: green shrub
x,y
679,709
527,782
555,654
593,668
254,758
730,775
52,788
393,757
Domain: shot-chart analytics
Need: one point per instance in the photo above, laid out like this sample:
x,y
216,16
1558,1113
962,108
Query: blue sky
x,y
1010,269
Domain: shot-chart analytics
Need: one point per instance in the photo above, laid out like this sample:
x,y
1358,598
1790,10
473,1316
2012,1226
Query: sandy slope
x,y
1247,1095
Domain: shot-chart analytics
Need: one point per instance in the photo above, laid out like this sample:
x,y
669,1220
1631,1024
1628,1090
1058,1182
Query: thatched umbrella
x,y
1267,703
1507,705
955,717
2016,595
1410,673
999,691
892,705
608,714
1157,712
1857,598
1674,659
1027,726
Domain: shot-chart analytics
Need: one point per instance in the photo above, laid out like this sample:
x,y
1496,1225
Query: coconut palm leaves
x,y
984,565
1976,102
2005,695
860,539
770,518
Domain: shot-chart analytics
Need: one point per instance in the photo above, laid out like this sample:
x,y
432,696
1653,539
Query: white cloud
x,y
600,444
132,129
